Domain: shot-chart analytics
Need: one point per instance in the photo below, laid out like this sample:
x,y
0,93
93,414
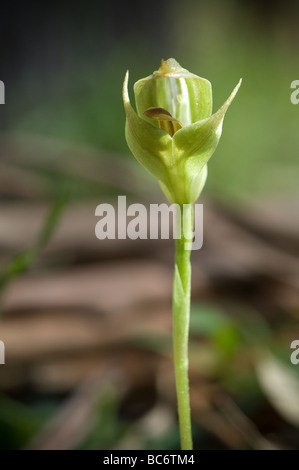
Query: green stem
x,y
181,316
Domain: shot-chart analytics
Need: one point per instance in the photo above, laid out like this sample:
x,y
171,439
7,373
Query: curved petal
x,y
166,122
195,144
150,145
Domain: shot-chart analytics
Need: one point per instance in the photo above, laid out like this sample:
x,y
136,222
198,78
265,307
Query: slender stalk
x,y
181,316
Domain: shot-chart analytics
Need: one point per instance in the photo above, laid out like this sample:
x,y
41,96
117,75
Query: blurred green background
x,y
62,145
65,64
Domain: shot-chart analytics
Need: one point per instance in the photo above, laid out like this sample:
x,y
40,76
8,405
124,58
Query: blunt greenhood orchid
x,y
173,134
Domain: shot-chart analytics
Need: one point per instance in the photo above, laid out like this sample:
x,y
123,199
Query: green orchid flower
x,y
173,134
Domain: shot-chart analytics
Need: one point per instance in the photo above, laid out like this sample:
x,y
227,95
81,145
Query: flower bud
x,y
173,133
